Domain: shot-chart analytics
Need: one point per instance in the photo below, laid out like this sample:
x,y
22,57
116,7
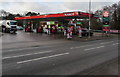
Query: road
x,y
67,58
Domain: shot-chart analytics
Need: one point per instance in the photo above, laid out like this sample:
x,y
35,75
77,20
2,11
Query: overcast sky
x,y
51,6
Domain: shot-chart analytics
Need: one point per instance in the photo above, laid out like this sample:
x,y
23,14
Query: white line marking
x,y
23,49
81,46
94,48
26,55
115,44
42,58
107,42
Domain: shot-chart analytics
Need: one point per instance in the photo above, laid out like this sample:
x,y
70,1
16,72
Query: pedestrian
x,y
65,30
53,29
28,28
49,30
69,32
40,29
72,28
45,29
79,31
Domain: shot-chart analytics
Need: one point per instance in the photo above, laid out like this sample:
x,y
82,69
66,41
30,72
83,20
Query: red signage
x,y
85,14
106,28
115,31
49,15
71,14
67,14
106,14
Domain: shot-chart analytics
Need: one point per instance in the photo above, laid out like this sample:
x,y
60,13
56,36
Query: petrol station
x,y
53,22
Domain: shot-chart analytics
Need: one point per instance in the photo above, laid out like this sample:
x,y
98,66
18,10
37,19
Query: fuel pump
x,y
28,27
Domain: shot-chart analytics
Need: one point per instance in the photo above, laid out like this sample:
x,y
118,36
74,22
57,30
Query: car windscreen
x,y
13,23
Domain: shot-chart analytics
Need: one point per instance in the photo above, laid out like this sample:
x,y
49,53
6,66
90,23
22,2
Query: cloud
x,y
58,0
49,7
42,7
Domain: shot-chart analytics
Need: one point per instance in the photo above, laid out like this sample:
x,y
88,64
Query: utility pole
x,y
89,17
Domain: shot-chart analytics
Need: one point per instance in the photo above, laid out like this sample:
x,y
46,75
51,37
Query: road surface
x,y
66,58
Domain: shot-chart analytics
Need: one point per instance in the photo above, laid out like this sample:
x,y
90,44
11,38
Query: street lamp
x,y
89,17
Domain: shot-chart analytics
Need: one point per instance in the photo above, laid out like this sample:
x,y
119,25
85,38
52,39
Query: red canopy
x,y
65,15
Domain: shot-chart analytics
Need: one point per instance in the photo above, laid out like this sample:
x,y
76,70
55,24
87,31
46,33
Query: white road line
x,y
81,46
115,44
23,49
26,55
93,48
90,45
107,42
42,58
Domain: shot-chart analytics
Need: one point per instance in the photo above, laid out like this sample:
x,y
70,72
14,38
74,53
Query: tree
x,y
3,14
18,15
31,14
114,11
115,22
10,17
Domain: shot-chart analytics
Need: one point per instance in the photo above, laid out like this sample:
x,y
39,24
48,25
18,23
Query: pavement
x,y
24,39
26,54
106,68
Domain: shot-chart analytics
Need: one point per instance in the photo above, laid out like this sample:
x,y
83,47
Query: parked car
x,y
19,28
85,32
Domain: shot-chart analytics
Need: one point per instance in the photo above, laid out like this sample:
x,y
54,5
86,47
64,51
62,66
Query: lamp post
x,y
89,17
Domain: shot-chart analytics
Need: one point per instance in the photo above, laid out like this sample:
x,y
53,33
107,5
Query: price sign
x,y
106,28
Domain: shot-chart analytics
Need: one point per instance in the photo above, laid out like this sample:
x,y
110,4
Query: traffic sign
x,y
106,14
106,20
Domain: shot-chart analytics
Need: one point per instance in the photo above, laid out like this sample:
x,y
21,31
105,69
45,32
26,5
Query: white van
x,y
8,26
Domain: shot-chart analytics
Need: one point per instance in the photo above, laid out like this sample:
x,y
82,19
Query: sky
x,y
52,6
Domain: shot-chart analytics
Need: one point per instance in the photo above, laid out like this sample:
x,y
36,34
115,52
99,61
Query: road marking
x,y
26,55
23,49
94,48
115,44
42,58
107,42
81,46
90,45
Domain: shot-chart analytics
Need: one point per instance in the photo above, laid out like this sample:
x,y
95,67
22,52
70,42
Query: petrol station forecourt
x,y
54,22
